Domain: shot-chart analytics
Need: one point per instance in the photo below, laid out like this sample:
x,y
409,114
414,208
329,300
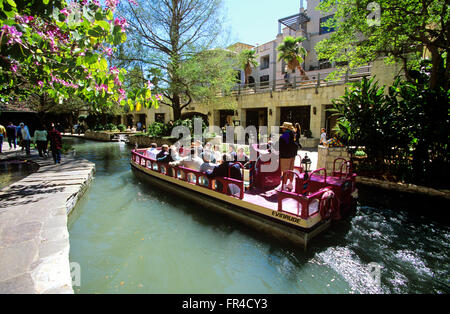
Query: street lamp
x,y
306,162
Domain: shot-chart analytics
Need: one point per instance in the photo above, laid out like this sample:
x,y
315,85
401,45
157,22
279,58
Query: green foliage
x,y
291,52
247,60
60,49
180,47
405,28
402,131
122,127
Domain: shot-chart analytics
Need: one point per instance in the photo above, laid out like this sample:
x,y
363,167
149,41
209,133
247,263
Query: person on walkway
x,y
40,139
2,136
139,126
19,137
288,152
26,138
11,133
298,134
55,138
323,137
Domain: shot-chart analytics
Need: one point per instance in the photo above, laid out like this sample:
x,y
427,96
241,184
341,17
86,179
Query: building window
x,y
264,80
265,62
160,117
324,64
323,29
342,63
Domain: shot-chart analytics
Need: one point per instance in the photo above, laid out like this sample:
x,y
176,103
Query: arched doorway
x,y
190,115
130,120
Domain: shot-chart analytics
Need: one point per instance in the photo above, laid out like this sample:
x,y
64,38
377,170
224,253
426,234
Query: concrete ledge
x,y
98,136
403,187
146,141
34,239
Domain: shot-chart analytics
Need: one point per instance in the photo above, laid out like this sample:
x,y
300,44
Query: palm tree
x,y
293,53
247,60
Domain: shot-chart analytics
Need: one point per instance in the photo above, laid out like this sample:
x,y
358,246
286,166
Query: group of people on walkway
x,y
42,137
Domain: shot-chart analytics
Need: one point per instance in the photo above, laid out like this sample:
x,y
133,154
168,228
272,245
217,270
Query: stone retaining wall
x,y
98,135
146,141
403,187
327,156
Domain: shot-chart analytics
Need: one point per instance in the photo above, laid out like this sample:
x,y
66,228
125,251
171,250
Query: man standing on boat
x,y
288,152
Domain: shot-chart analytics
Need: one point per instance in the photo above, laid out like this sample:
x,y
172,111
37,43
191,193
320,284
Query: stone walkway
x,y
34,240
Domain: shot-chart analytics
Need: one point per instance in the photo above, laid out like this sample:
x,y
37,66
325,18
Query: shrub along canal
x,y
129,237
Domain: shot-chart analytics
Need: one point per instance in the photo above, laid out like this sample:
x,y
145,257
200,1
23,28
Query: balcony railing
x,y
298,83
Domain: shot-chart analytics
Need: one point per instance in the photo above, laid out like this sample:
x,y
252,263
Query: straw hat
x,y
288,125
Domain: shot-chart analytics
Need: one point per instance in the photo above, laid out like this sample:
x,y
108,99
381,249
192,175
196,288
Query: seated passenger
x,y
191,162
152,151
222,169
164,155
198,147
217,153
227,170
208,162
232,152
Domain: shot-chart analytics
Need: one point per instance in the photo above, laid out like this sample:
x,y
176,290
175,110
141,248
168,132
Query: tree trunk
x,y
436,63
176,106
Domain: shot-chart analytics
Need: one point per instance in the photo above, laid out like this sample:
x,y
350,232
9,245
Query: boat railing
x,y
225,185
308,205
344,163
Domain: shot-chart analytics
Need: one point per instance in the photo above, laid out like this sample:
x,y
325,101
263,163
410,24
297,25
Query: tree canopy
x,y
397,29
62,49
177,37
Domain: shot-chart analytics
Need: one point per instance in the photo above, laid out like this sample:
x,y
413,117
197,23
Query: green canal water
x,y
129,237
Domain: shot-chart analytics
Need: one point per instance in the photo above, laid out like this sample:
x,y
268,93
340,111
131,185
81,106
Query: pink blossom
x,y
108,51
122,23
24,19
14,68
159,97
112,4
132,2
14,35
150,85
40,83
65,12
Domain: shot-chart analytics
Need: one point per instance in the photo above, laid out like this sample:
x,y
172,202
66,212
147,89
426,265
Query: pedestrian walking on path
x,y
26,137
2,136
55,138
40,139
11,132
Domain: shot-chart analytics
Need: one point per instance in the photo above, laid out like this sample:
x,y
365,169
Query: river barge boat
x,y
260,200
